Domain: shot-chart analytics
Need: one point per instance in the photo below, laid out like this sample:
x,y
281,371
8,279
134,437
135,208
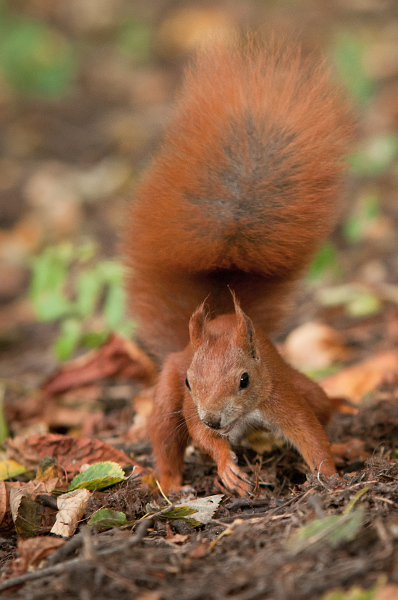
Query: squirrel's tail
x,y
247,180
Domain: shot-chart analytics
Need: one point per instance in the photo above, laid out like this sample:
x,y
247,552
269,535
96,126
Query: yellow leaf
x,y
10,468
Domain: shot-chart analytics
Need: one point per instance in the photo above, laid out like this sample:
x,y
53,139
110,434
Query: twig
x,y
69,565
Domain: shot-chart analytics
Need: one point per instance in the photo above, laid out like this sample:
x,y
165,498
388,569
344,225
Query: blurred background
x,y
86,87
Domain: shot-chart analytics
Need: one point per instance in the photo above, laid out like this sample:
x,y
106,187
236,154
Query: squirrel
x,y
230,212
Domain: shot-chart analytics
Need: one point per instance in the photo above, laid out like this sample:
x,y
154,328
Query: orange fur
x,y
242,193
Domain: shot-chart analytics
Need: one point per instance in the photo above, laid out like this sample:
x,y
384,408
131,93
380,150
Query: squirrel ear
x,y
245,334
197,324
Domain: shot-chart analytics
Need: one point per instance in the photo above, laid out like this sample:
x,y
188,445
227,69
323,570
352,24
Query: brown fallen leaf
x,y
71,452
314,346
118,357
31,518
176,538
354,382
32,552
352,450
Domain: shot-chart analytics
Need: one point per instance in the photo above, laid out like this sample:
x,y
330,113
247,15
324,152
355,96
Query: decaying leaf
x,y
26,513
98,476
356,381
32,551
203,510
30,518
70,452
176,538
71,509
117,357
204,507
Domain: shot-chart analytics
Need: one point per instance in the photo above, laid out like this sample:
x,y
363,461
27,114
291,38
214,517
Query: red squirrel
x,y
238,200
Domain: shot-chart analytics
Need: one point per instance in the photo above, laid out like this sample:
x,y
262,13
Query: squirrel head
x,y
226,378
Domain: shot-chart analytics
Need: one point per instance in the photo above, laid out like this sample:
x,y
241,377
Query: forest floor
x,y
68,168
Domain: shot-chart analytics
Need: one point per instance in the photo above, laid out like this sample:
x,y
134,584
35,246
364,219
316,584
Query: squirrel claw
x,y
234,479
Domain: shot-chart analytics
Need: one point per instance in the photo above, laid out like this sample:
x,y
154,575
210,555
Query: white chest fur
x,y
252,421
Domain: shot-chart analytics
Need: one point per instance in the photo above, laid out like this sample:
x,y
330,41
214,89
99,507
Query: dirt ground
x,y
56,155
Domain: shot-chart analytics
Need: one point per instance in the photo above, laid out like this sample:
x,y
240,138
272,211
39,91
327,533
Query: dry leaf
x,y
175,538
119,357
314,346
352,450
71,509
70,452
354,382
32,552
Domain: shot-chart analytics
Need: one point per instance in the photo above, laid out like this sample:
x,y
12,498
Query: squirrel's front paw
x,y
234,479
171,483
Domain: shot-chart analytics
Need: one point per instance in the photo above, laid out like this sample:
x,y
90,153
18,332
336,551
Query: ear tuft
x,y
197,326
245,334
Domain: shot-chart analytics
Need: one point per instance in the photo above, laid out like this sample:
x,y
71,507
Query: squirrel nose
x,y
213,422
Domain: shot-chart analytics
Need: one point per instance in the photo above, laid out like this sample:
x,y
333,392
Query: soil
x,y
116,110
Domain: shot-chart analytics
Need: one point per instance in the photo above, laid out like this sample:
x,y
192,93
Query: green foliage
x,y
134,38
365,211
105,518
334,529
34,58
358,300
98,476
325,262
349,59
67,287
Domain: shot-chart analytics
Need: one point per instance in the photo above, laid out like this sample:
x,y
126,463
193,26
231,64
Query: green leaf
x,y
114,307
105,518
110,271
98,476
51,305
349,52
325,261
334,529
94,339
364,305
69,338
134,38
358,300
88,287
35,58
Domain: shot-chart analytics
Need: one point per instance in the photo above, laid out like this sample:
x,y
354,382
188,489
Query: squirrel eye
x,y
244,380
187,384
